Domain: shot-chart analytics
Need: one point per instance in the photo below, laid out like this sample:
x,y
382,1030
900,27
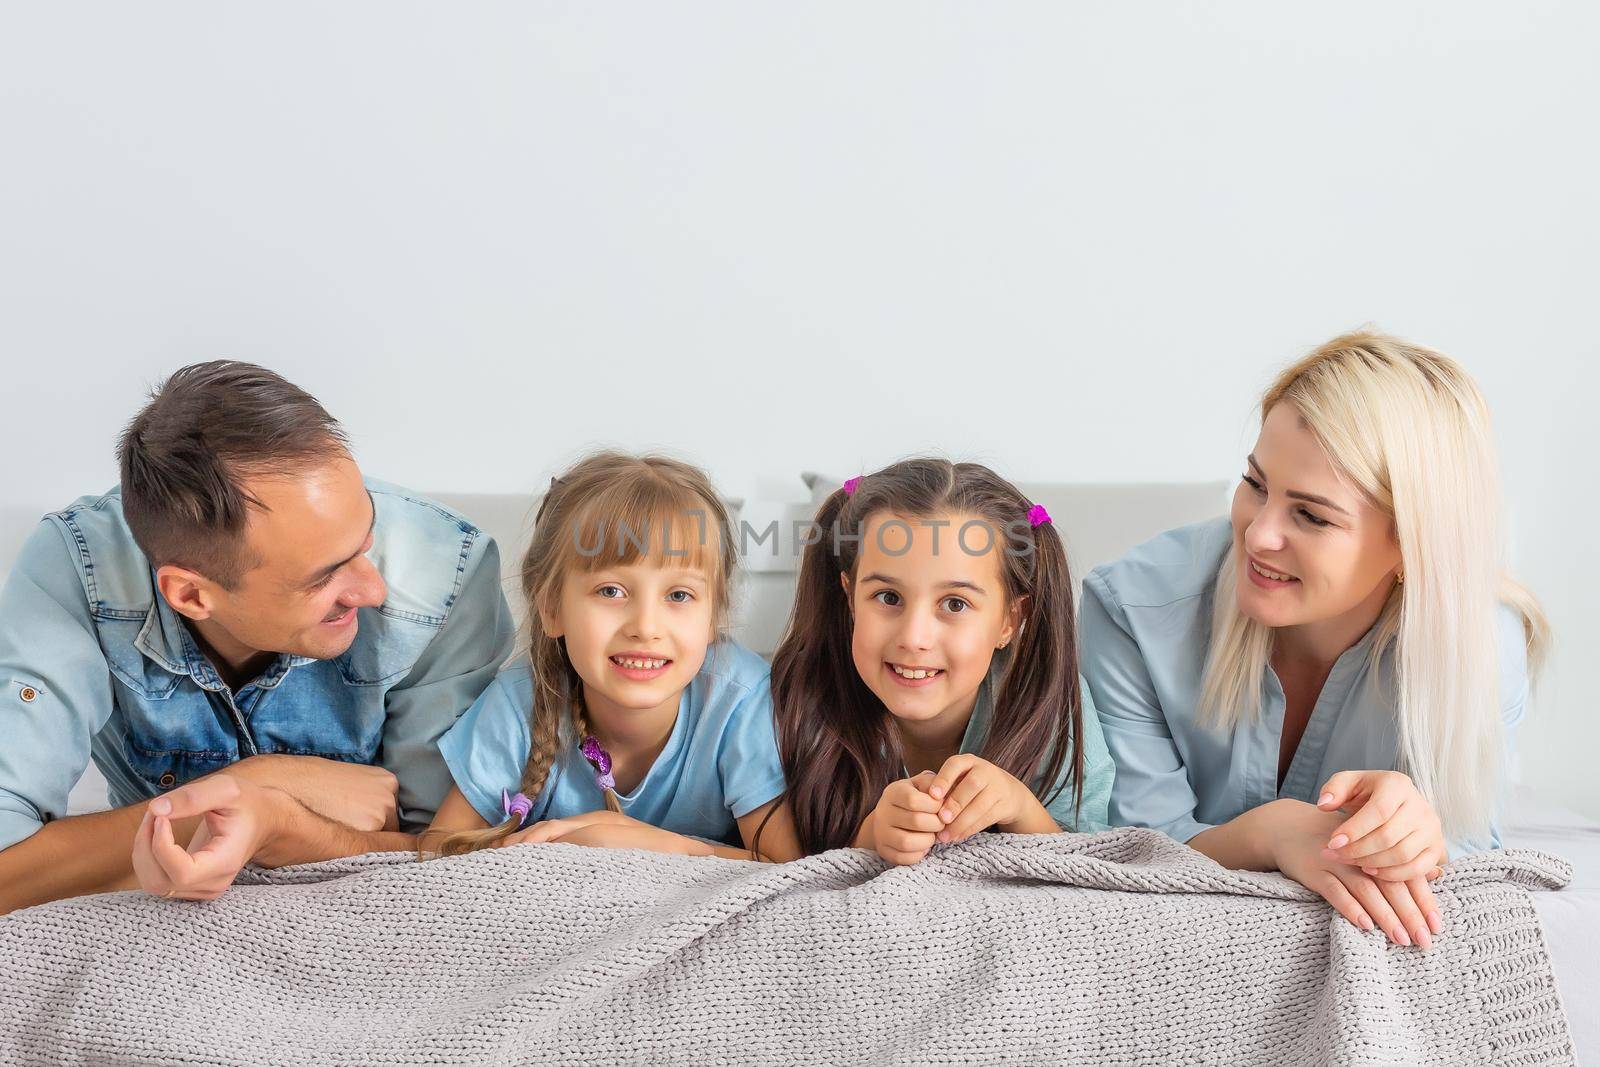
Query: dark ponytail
x,y
1039,708
834,735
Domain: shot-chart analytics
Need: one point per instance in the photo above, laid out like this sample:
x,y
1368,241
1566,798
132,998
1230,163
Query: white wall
x,y
1070,239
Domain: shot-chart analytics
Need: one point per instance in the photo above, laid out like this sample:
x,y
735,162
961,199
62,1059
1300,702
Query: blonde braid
x,y
580,722
542,753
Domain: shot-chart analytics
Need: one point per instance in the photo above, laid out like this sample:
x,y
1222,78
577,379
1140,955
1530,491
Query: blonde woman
x,y
1325,683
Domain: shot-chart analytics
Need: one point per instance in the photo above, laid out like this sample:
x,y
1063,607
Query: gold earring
x,y
1400,579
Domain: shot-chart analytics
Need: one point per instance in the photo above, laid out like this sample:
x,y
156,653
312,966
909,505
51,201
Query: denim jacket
x,y
95,664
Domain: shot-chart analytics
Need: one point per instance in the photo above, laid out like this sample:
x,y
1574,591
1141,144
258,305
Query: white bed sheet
x,y
1571,916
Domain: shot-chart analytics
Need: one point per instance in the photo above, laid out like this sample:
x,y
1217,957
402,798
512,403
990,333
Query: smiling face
x,y
637,633
311,572
928,616
1310,549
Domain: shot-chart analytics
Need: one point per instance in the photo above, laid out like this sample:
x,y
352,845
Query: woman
x,y
1351,620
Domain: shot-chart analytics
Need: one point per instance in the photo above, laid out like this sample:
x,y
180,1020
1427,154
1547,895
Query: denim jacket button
x,y
168,780
29,694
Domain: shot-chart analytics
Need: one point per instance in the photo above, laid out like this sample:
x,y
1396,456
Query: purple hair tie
x,y
518,805
850,485
601,760
1037,514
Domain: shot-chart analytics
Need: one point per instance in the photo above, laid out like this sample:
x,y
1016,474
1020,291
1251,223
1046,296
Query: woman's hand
x,y
1297,834
1393,834
905,821
976,795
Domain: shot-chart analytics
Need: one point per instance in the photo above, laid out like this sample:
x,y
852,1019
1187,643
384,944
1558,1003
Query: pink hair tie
x,y
1037,514
518,806
850,485
601,760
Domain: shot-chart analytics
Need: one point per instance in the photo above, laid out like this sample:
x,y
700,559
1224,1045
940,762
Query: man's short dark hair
x,y
207,429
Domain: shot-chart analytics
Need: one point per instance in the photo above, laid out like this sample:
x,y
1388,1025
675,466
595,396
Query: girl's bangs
x,y
657,528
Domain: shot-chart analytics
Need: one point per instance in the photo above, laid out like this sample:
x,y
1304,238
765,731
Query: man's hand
x,y
355,794
238,817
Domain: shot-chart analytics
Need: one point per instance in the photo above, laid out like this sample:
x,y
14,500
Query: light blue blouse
x,y
720,762
1145,627
1098,770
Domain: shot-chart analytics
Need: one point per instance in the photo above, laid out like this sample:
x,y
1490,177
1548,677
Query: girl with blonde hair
x,y
1325,683
633,722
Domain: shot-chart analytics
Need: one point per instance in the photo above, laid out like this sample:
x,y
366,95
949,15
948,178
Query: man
x,y
244,600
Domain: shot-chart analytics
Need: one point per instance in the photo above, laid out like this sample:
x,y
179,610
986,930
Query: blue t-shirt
x,y
720,762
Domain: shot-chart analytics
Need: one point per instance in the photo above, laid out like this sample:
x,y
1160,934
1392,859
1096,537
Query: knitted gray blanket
x,y
1121,947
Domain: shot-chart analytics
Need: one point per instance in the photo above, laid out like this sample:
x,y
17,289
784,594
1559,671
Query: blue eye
x,y
880,594
602,591
685,595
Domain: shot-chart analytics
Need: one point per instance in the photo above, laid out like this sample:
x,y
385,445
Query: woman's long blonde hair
x,y
1408,429
609,509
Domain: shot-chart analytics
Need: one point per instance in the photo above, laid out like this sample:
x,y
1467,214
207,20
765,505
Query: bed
x,y
1571,917
1118,947
1098,522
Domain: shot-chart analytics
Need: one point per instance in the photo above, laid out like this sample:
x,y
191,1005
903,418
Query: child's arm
x,y
455,814
779,842
609,829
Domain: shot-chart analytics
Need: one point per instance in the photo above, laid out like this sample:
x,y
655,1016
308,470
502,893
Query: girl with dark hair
x,y
927,685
